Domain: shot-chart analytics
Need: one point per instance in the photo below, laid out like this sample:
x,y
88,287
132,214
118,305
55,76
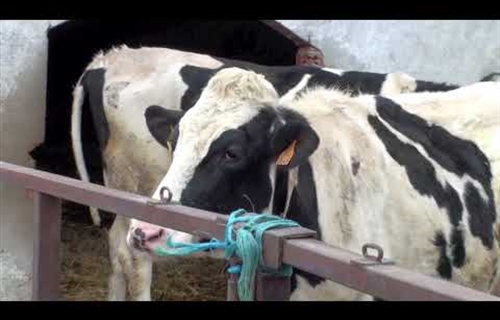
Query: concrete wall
x,y
23,55
453,51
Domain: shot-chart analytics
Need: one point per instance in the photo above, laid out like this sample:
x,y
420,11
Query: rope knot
x,y
244,243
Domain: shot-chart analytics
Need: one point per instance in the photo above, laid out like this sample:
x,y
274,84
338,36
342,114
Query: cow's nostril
x,y
136,243
138,232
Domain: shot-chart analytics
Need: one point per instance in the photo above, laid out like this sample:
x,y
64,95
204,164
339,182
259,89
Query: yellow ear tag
x,y
287,154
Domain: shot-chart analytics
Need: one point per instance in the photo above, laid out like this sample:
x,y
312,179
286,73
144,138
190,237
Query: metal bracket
x,y
273,243
164,200
370,260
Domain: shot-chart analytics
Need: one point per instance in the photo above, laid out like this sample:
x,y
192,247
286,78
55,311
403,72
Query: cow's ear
x,y
161,122
293,143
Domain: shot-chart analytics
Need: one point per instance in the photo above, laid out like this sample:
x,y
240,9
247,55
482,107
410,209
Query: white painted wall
x,y
457,51
23,55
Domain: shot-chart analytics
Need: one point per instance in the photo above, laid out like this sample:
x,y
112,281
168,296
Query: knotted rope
x,y
246,245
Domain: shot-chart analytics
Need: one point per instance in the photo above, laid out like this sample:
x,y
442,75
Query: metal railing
x,y
293,246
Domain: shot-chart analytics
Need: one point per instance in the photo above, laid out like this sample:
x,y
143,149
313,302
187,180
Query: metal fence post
x,y
272,287
46,247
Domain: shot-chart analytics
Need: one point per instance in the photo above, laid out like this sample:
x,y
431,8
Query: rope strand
x,y
245,245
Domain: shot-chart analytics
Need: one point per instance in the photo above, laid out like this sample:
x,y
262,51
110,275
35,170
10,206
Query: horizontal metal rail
x,y
388,282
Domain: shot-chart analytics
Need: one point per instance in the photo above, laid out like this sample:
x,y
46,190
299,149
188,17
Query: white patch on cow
x,y
398,82
335,71
292,93
272,178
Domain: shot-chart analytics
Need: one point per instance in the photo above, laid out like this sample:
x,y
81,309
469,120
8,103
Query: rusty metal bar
x,y
47,216
387,282
120,202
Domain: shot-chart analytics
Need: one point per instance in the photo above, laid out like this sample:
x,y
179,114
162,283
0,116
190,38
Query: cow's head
x,y
227,149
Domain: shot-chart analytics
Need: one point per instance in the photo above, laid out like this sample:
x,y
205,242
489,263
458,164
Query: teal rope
x,y
247,245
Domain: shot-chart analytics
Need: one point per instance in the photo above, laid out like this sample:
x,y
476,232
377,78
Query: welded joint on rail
x,y
274,241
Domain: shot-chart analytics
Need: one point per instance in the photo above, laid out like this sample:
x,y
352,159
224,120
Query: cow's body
x,y
121,84
412,173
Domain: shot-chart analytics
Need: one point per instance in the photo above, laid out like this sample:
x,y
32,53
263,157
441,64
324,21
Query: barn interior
x,y
71,46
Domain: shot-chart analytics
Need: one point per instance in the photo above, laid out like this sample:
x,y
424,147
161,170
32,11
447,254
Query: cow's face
x,y
228,145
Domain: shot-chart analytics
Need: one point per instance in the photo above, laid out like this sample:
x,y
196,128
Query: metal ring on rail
x,y
162,195
380,251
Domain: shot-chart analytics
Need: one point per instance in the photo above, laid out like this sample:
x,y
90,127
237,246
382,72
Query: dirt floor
x,y
85,269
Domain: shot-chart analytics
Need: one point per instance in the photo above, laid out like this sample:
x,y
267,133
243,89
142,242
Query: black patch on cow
x,y
174,136
365,82
480,215
420,171
282,78
444,264
311,278
162,122
303,209
457,247
453,154
355,166
93,86
196,79
303,206
434,86
494,76
280,191
236,166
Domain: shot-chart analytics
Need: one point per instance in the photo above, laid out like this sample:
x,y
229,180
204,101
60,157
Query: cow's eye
x,y
232,154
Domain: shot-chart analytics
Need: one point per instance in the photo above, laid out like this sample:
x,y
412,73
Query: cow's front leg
x,y
120,259
139,277
131,271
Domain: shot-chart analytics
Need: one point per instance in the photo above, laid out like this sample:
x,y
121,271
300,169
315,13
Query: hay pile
x,y
85,270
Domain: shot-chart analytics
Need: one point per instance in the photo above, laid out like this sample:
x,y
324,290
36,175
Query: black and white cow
x,y
121,85
415,173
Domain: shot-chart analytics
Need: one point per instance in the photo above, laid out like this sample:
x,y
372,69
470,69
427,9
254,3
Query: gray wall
x,y
23,54
454,51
